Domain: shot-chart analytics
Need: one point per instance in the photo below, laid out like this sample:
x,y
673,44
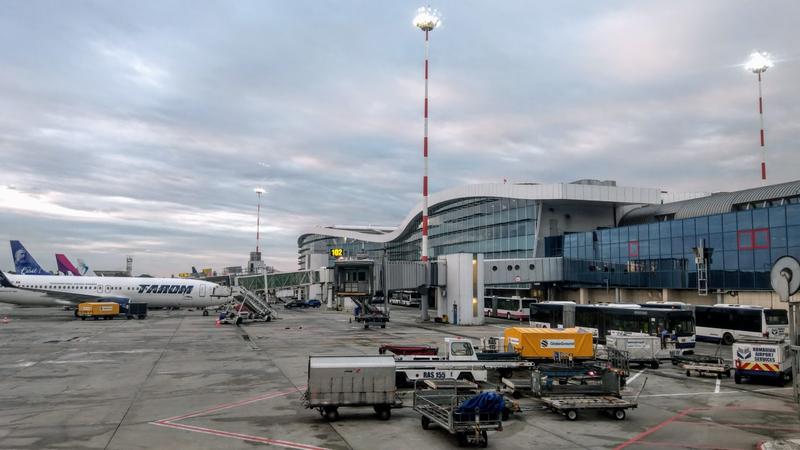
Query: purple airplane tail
x,y
65,266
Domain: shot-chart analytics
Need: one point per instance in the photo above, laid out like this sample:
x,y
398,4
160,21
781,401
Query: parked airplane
x,y
82,266
65,266
24,264
42,290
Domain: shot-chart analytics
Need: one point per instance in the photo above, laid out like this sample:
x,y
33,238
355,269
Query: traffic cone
x,y
217,324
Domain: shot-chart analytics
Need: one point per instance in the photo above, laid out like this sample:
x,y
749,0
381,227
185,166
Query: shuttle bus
x,y
729,323
609,319
515,308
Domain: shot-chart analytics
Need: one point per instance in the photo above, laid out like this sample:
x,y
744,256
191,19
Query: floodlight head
x,y
759,62
259,190
427,18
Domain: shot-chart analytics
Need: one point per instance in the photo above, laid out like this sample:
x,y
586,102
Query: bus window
x,y
776,317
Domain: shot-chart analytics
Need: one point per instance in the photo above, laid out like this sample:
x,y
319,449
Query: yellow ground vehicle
x,y
542,343
96,310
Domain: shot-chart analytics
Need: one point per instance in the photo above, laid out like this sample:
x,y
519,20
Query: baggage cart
x,y
335,381
718,368
443,407
571,405
642,349
136,309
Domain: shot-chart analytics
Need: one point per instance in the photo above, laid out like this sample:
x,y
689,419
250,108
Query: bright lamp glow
x,y
259,190
758,62
427,18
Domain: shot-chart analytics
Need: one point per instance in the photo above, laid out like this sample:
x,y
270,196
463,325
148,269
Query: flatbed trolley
x,y
570,405
717,368
440,407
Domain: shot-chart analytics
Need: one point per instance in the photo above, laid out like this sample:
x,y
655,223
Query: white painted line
x,y
141,350
79,361
736,392
17,365
630,380
716,388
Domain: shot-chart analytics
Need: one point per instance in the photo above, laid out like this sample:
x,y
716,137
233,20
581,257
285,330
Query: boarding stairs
x,y
251,307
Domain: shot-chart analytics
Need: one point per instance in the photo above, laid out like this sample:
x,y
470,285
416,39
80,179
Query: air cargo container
x,y
96,310
544,343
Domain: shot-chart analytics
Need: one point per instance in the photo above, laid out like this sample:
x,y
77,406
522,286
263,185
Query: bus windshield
x,y
776,317
682,325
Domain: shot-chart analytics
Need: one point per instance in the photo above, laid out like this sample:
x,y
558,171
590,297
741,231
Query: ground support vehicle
x,y
642,349
336,381
403,350
251,308
464,415
369,314
135,309
717,368
543,343
766,359
460,361
97,310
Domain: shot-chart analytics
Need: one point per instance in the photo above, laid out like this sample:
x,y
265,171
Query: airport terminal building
x,y
609,243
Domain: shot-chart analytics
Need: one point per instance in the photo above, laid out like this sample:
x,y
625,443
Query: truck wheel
x,y
383,325
466,376
461,438
238,321
571,414
366,326
331,415
425,422
727,339
83,317
129,317
688,373
619,414
654,365
205,312
384,412
484,439
737,378
516,395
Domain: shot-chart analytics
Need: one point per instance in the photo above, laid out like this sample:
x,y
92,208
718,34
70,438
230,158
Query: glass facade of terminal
x,y
496,227
659,255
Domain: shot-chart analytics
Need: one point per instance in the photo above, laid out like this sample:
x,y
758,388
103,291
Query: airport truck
x,y
97,310
542,344
765,359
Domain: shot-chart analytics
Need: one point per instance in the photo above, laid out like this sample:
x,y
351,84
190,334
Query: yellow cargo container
x,y
542,343
106,310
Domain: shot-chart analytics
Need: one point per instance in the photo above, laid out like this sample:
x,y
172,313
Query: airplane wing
x,y
67,298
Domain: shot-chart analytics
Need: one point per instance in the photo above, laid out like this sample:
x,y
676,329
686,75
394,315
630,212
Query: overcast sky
x,y
141,127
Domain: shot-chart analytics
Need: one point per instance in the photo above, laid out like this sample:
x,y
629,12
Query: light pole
x,y
427,19
758,63
258,191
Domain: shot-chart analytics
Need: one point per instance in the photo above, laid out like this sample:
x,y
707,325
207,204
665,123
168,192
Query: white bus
x,y
729,323
514,308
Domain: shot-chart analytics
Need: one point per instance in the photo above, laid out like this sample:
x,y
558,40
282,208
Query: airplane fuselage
x,y
158,292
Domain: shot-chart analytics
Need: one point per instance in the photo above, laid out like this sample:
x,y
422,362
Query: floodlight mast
x,y
258,191
758,63
427,19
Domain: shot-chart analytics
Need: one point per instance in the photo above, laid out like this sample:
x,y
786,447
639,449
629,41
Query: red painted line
x,y
652,430
240,436
233,404
739,425
687,445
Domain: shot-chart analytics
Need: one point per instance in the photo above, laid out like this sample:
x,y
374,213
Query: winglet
x,y
4,281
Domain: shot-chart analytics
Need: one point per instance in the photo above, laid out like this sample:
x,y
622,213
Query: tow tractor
x,y
459,362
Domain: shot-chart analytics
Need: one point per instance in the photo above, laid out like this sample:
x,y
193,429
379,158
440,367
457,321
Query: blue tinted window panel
x,y
760,218
715,224
676,228
793,214
744,219
793,236
729,241
777,216
729,222
701,225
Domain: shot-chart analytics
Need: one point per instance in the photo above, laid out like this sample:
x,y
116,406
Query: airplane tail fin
x,y
4,281
65,266
24,263
82,265
194,271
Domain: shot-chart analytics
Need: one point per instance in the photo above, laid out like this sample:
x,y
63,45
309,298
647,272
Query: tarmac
x,y
176,380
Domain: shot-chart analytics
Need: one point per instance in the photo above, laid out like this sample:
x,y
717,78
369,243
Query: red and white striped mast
x,y
427,19
759,63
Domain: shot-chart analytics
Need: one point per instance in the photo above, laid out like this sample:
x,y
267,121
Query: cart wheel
x,y
425,422
571,414
619,414
688,373
366,326
674,362
332,415
383,325
654,365
516,394
484,439
719,376
83,317
505,414
384,412
269,318
205,312
737,378
461,438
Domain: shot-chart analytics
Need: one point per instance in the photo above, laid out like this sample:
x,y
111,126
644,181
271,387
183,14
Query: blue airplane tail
x,y
24,264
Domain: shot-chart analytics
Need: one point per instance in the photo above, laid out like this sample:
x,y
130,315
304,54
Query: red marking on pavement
x,y
740,425
673,444
172,422
652,430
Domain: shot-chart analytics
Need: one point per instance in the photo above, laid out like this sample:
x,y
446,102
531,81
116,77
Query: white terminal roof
x,y
583,191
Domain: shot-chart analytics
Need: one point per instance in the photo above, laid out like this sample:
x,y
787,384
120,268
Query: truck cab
x,y
459,349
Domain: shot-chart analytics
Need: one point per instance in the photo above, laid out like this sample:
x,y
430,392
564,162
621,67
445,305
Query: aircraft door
x,y
202,290
100,288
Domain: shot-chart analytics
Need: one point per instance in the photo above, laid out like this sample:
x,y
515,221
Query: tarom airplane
x,y
53,290
24,264
65,265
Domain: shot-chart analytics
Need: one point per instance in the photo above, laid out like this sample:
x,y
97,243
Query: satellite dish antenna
x,y
785,277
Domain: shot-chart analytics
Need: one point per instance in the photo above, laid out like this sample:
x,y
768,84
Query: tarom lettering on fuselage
x,y
164,289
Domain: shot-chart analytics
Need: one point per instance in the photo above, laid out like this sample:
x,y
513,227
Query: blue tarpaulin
x,y
486,402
